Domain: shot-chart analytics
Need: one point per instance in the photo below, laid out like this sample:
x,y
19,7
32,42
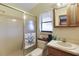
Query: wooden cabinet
x,y
56,52
78,14
67,16
69,19
71,15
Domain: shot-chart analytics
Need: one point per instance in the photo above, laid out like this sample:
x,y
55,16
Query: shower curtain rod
x,y
16,9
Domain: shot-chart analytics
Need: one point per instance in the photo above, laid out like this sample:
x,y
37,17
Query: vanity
x,y
56,52
59,48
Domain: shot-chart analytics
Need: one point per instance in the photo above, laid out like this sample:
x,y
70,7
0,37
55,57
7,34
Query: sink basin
x,y
66,45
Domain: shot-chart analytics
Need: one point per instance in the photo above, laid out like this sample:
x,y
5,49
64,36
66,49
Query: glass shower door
x,y
11,35
29,32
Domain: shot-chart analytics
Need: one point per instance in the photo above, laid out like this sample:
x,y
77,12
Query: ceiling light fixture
x,y
13,20
61,4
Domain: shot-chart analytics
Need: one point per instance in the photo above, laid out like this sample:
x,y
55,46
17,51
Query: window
x,y
46,22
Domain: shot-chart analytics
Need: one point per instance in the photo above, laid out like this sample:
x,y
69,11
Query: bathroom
x,y
39,29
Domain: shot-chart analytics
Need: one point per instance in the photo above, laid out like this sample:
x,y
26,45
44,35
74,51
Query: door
x,y
29,33
11,35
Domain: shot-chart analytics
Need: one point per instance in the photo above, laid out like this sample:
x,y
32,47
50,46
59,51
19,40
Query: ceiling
x,y
23,6
28,6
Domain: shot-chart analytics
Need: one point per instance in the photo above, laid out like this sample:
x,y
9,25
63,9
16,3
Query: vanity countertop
x,y
74,51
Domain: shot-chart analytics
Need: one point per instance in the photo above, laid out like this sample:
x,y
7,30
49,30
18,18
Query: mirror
x,y
65,16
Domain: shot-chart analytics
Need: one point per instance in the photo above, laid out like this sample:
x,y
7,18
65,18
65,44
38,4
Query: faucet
x,y
64,40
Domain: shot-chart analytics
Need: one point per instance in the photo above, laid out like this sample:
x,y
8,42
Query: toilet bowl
x,y
36,52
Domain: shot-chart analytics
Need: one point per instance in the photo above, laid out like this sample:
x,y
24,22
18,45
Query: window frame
x,y
45,22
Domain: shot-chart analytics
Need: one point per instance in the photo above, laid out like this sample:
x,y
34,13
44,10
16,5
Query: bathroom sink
x,y
66,45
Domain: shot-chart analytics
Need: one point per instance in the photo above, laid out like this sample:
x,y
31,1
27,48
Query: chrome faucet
x,y
63,40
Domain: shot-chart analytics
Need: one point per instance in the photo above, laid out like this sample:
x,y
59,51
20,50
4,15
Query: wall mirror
x,y
65,16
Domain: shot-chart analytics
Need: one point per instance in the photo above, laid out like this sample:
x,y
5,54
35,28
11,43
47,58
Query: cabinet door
x,y
78,14
71,15
66,16
56,52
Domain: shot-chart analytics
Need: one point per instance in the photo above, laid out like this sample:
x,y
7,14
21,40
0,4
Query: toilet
x,y
36,52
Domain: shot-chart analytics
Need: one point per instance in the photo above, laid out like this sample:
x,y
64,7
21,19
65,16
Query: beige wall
x,y
10,12
40,8
71,34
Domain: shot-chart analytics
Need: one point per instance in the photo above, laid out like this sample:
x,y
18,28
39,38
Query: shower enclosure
x,y
17,35
11,35
29,33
